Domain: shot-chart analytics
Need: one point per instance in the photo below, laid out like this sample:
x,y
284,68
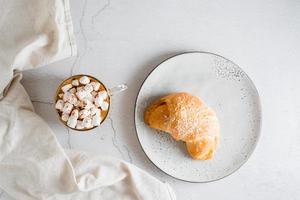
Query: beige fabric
x,y
32,163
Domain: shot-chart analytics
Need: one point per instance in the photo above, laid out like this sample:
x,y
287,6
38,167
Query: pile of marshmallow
x,y
80,103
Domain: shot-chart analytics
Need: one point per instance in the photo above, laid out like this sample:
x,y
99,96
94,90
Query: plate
x,y
227,89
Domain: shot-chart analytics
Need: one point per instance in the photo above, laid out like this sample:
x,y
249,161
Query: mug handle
x,y
117,89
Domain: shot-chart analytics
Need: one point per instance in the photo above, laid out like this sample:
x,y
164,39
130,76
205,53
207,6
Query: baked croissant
x,y
185,117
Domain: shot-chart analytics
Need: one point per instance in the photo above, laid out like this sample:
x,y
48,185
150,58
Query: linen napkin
x,y
33,165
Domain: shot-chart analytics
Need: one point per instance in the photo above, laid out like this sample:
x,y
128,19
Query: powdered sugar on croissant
x,y
185,117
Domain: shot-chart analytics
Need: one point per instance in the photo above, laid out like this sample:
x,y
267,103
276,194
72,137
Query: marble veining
x,y
1,193
121,41
114,138
100,11
79,56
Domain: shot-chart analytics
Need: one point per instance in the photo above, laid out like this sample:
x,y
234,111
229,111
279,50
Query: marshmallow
x,y
65,88
72,90
79,104
95,85
75,113
94,93
90,97
84,80
98,101
88,87
87,122
83,113
64,117
69,97
72,122
81,94
104,105
96,121
102,94
95,111
98,112
79,125
75,82
73,100
59,104
80,88
87,104
67,108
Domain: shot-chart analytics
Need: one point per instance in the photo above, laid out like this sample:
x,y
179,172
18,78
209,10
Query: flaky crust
x,y
185,117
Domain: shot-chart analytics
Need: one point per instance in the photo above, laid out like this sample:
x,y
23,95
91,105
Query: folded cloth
x,y
33,165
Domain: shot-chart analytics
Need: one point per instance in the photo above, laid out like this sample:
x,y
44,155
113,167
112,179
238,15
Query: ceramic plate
x,y
227,89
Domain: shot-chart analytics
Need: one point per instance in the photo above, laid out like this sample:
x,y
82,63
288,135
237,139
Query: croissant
x,y
185,117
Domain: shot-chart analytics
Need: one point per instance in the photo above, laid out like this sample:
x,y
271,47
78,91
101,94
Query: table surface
x,y
122,41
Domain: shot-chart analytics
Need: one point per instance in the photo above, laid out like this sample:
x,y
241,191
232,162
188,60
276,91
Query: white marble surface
x,y
122,41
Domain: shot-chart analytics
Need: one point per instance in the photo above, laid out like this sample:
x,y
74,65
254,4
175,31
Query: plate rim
x,y
258,104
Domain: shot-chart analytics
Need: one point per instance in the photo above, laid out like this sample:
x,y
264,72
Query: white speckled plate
x,y
224,87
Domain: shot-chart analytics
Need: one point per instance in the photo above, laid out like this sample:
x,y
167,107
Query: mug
x,y
112,91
